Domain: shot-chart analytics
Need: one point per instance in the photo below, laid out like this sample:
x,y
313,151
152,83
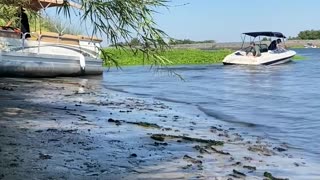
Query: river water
x,y
281,103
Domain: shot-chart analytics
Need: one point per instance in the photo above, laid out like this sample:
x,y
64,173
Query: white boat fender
x,y
82,62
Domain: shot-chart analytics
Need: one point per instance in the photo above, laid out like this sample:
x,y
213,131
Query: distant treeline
x,y
137,42
188,41
133,42
307,35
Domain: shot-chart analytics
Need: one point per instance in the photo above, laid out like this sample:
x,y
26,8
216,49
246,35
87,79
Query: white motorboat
x,y
48,54
310,45
269,55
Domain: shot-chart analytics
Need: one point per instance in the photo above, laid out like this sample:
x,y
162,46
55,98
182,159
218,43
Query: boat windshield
x,y
262,37
263,48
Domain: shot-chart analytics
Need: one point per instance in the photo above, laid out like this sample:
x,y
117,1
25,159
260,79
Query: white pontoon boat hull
x,y
16,64
48,54
48,59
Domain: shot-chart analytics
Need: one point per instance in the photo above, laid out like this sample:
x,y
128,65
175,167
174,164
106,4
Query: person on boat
x,y
273,45
254,50
25,28
280,47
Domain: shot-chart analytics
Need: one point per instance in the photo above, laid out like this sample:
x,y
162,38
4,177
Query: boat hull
x,y
275,62
15,64
267,58
49,55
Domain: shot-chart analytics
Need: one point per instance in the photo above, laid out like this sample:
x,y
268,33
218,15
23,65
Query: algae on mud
x,y
161,137
142,124
271,177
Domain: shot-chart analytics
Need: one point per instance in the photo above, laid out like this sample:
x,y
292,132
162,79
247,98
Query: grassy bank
x,y
296,47
176,56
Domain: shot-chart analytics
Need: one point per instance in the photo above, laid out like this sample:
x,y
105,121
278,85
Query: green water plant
x,y
298,57
126,57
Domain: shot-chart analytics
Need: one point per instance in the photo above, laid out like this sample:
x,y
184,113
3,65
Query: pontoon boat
x,y
48,54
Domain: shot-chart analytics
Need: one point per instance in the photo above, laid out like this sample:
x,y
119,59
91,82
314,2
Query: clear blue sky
x,y
225,20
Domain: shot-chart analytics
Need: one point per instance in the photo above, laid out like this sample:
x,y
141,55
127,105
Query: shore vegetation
x,y
37,23
188,41
307,35
125,57
176,56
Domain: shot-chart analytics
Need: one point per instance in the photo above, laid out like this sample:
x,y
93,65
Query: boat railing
x,y
88,46
24,35
65,39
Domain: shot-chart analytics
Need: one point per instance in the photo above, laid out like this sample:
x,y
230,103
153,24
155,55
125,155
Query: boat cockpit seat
x,y
69,39
89,39
9,34
48,37
57,38
273,45
263,48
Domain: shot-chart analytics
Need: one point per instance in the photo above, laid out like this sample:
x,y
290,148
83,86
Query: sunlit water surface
x,y
280,102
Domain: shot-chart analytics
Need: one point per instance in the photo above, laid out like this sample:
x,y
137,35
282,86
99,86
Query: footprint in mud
x,y
133,155
44,156
192,160
7,88
238,174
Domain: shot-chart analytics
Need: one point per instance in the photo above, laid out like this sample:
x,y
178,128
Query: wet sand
x,y
76,129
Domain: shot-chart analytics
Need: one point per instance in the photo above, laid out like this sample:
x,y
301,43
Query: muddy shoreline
x,y
72,128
